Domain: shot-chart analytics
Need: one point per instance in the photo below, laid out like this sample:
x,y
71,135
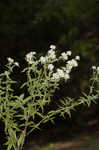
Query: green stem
x,y
24,133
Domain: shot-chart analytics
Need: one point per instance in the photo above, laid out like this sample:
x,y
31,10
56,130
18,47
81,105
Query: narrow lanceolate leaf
x,y
10,145
20,139
23,85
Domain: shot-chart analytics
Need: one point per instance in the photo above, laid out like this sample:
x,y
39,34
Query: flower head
x,y
53,47
98,70
77,57
66,76
30,57
50,67
69,53
16,64
51,54
72,63
43,59
94,67
10,60
55,76
64,56
60,73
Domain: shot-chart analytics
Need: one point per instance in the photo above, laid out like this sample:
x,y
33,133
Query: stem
x,y
24,134
23,140
54,113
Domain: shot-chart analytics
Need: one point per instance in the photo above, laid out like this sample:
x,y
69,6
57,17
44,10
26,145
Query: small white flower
x,y
30,57
68,71
98,70
42,59
77,57
94,67
51,51
10,60
34,53
53,47
50,67
60,72
66,76
64,56
51,54
69,53
16,64
69,66
73,63
55,76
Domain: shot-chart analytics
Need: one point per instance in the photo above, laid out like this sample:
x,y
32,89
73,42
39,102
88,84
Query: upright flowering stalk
x,y
11,64
7,104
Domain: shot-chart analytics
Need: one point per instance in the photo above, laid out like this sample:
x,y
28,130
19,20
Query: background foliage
x,y
27,25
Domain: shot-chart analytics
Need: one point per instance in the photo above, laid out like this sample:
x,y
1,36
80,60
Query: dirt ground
x,y
80,135
59,139
81,143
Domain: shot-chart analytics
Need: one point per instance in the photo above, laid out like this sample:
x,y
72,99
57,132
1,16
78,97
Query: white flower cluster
x,y
50,58
50,55
60,74
95,69
12,62
30,57
64,55
43,59
65,72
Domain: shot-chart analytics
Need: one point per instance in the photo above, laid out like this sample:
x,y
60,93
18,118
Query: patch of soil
x,y
83,135
86,138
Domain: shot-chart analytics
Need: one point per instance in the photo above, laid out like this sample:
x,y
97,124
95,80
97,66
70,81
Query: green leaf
x,y
20,139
